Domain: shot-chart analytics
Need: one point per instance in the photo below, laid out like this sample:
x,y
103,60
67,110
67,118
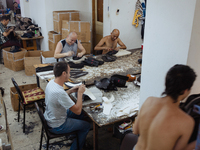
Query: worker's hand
x,y
11,29
117,48
74,89
81,89
79,55
109,49
70,53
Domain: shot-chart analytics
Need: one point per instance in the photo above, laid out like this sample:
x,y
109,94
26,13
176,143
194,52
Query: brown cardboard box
x,y
58,16
31,58
14,95
54,38
48,57
82,28
87,46
14,61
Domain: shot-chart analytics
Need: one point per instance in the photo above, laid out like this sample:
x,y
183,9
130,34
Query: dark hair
x,y
59,68
14,3
178,79
5,17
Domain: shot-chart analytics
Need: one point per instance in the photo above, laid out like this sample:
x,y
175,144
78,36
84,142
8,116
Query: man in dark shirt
x,y
4,33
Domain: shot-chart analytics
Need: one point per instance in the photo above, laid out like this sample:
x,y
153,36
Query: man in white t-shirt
x,y
62,114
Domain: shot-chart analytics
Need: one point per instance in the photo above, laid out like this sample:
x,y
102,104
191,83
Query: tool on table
x,y
96,108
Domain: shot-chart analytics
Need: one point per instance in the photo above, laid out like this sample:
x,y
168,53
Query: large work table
x,y
124,96
122,65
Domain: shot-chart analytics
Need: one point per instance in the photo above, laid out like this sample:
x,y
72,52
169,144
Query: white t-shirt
x,y
57,102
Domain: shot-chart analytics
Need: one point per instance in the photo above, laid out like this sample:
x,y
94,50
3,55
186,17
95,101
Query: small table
x,y
34,47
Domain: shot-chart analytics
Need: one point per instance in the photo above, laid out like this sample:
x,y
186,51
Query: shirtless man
x,y
161,124
110,42
68,47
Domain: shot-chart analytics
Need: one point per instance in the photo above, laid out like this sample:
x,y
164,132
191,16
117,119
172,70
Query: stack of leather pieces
x,y
76,73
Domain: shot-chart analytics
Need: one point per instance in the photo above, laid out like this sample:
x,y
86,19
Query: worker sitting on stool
x,y
4,33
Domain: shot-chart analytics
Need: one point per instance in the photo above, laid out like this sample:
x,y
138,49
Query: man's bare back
x,y
161,125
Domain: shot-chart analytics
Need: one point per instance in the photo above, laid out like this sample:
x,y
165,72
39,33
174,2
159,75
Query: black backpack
x,y
188,108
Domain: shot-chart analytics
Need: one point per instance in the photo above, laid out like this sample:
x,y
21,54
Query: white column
x,y
168,30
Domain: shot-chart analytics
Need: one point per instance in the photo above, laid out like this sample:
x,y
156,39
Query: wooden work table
x,y
34,46
123,65
123,98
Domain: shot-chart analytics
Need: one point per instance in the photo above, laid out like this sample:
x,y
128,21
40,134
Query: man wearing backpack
x,y
68,47
161,124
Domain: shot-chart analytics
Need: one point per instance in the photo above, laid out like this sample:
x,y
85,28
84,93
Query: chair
x,y
45,128
129,141
27,98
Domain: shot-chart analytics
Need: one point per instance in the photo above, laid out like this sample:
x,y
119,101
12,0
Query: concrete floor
x,y
30,141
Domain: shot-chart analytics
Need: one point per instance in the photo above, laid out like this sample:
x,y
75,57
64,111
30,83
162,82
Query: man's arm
x,y
82,49
100,46
8,32
136,126
58,54
122,45
182,142
77,108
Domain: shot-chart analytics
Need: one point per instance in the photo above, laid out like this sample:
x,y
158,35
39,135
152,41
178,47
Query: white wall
x,y
194,49
166,43
4,3
41,11
24,5
129,34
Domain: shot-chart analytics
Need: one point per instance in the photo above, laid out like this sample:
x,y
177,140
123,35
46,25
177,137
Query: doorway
x,y
97,22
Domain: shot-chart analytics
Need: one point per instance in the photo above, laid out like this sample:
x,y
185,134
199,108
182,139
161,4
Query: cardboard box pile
x,y
54,38
65,22
26,59
14,61
58,16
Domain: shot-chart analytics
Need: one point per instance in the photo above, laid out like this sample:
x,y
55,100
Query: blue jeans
x,y
72,123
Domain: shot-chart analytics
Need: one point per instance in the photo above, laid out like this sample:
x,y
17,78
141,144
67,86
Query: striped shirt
x,y
3,39
57,102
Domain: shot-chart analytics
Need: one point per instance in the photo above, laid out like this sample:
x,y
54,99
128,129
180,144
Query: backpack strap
x,y
63,42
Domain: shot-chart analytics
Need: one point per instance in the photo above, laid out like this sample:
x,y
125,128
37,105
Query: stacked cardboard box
x,y
82,28
58,16
54,38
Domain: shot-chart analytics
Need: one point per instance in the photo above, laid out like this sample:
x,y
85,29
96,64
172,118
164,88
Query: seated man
x,y
16,8
161,124
4,33
109,43
68,47
62,114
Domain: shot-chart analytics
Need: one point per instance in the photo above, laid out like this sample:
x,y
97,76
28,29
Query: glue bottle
x,y
36,34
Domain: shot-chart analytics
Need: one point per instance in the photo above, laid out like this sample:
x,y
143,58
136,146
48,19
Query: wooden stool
x,y
34,47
